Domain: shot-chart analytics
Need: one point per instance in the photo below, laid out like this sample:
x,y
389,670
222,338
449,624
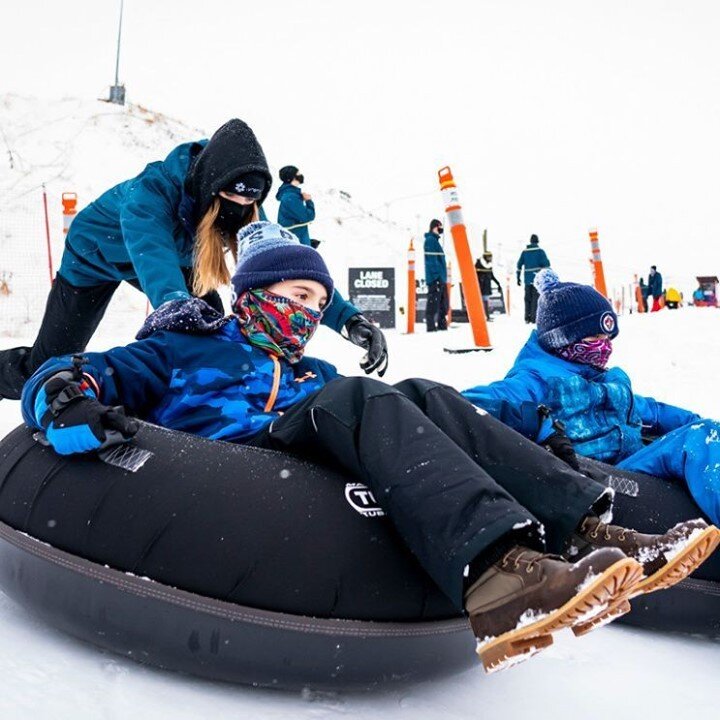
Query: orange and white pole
x,y
448,319
468,276
598,270
69,203
411,289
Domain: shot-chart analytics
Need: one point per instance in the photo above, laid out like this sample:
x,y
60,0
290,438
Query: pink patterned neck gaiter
x,y
588,352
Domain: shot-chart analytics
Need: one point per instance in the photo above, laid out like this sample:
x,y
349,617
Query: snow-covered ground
x,y
614,672
85,146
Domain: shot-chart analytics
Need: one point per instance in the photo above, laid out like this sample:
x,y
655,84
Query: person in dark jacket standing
x,y
655,287
297,208
532,259
167,232
436,278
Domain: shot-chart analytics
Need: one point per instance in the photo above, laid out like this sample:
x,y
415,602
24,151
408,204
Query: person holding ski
x,y
563,367
297,209
167,232
476,503
532,259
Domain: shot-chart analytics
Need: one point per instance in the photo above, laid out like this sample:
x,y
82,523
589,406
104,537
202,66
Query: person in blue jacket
x,y
432,461
532,259
297,208
655,287
436,310
563,367
166,232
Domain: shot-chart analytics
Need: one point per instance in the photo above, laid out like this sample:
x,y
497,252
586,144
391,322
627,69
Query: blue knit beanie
x,y
268,253
568,312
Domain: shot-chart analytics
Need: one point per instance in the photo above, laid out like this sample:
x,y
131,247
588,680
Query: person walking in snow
x,y
167,232
532,259
563,366
477,522
655,288
436,310
297,209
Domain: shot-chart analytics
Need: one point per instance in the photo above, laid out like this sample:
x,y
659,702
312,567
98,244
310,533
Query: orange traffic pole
x,y
411,289
598,270
638,296
468,276
449,292
69,203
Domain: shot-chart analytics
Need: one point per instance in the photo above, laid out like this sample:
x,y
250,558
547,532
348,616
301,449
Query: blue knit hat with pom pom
x,y
568,312
268,253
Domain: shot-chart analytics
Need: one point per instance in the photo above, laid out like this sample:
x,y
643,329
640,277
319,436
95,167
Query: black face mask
x,y
233,216
300,178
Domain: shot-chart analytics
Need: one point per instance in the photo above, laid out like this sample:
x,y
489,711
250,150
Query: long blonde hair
x,y
210,269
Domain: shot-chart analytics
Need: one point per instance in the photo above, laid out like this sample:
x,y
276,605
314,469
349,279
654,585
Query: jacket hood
x,y
286,188
192,316
231,152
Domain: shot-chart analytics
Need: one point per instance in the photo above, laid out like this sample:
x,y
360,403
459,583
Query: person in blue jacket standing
x,y
563,367
297,208
655,288
532,259
436,278
167,232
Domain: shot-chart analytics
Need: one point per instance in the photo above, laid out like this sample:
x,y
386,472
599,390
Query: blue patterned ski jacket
x,y
216,385
602,416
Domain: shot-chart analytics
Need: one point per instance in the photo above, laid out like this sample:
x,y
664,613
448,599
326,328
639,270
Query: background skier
x,y
297,208
486,278
655,288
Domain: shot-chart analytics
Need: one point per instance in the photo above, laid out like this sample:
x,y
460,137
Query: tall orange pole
x,y
598,270
468,276
411,289
69,203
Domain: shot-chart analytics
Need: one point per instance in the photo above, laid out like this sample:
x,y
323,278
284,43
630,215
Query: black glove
x,y
518,281
75,421
555,439
360,331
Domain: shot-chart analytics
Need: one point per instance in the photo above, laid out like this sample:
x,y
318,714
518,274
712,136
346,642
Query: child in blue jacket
x,y
166,232
563,367
438,468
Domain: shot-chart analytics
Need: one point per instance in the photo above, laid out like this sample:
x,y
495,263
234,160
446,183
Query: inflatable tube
x,y
265,570
250,566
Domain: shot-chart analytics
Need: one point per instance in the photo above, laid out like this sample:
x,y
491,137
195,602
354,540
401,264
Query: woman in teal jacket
x,y
166,232
563,367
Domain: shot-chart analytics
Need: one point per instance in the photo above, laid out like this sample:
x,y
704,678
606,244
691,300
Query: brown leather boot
x,y
517,604
666,559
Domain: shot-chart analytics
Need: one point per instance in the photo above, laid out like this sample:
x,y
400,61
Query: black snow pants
x,y
72,314
437,306
531,301
454,480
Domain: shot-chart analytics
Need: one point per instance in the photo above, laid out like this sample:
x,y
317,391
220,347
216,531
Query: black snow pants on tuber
x,y
454,480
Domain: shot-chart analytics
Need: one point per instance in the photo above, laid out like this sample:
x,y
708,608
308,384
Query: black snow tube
x,y
264,569
250,566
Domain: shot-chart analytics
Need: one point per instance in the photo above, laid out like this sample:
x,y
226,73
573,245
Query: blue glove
x,y
74,420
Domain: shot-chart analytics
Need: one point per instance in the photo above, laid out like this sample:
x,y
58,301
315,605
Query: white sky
x,y
555,115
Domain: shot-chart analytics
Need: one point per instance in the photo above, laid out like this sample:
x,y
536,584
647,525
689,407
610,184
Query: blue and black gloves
x,y
360,331
553,437
73,419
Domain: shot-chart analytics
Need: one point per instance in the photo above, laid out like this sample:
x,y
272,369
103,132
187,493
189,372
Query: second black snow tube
x,y
250,566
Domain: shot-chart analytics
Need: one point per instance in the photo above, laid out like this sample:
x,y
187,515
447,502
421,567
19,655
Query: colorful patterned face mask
x,y
276,324
589,352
